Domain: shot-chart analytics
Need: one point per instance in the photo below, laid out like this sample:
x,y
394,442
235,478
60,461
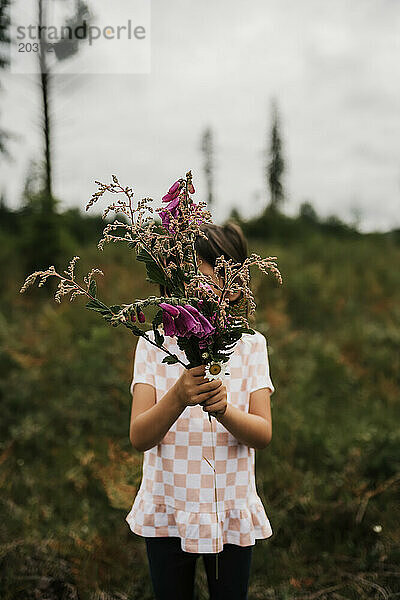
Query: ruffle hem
x,y
198,530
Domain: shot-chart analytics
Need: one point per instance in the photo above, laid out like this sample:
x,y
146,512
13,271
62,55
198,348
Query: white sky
x,y
333,67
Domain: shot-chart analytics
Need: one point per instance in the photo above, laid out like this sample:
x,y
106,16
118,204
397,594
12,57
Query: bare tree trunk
x,y
46,123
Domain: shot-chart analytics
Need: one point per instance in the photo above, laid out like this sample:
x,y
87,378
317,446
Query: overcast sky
x,y
332,66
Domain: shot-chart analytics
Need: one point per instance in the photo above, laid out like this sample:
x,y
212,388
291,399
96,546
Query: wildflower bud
x,y
174,187
133,318
141,317
191,189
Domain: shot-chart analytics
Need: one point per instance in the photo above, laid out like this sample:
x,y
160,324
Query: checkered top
x,y
176,496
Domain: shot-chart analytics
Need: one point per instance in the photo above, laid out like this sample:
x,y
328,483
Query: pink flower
x,y
174,187
170,309
169,313
173,192
173,206
172,210
186,324
169,197
177,320
141,317
207,328
184,321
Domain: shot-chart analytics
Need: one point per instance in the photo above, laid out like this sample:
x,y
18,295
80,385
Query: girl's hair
x,y
227,240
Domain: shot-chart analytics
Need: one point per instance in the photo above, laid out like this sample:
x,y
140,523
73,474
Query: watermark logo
x,y
73,36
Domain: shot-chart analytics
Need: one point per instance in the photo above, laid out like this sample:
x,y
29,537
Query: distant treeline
x,y
275,225
44,236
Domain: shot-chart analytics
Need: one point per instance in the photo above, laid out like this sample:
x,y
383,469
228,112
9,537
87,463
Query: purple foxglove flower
x,y
185,321
170,309
169,315
206,327
165,219
173,205
171,195
171,209
174,187
141,317
168,324
186,324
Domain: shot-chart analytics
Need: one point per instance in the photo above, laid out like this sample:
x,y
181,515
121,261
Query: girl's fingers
x,y
212,401
210,396
209,386
205,396
220,405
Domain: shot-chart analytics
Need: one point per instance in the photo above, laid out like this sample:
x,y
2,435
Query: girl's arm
x,y
151,420
253,428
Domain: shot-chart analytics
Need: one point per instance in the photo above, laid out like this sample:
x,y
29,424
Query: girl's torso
x,y
177,478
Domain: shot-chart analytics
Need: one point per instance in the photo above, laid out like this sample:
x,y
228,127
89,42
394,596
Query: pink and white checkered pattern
x,y
176,496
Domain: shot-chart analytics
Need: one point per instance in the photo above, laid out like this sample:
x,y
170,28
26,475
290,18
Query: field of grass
x,y
329,480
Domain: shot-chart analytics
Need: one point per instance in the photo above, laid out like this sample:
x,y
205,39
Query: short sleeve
x,y
259,367
143,364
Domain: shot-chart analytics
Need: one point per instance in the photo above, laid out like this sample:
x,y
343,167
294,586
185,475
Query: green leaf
x,y
93,288
115,308
135,329
246,330
158,318
159,339
98,306
143,256
154,273
170,360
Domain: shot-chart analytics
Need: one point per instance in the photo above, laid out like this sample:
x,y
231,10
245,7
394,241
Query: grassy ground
x,y
329,479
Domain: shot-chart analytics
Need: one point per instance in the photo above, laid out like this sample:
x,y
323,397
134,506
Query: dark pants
x,y
173,571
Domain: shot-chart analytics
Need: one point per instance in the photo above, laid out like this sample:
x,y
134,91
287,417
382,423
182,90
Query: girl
x,y
174,509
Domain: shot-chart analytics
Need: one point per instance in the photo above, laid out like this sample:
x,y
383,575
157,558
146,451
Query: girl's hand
x,y
193,388
217,402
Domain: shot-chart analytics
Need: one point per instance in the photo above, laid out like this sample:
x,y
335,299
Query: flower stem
x,y
165,350
215,493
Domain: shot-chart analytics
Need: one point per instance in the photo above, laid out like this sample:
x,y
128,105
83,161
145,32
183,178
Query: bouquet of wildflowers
x,y
197,311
